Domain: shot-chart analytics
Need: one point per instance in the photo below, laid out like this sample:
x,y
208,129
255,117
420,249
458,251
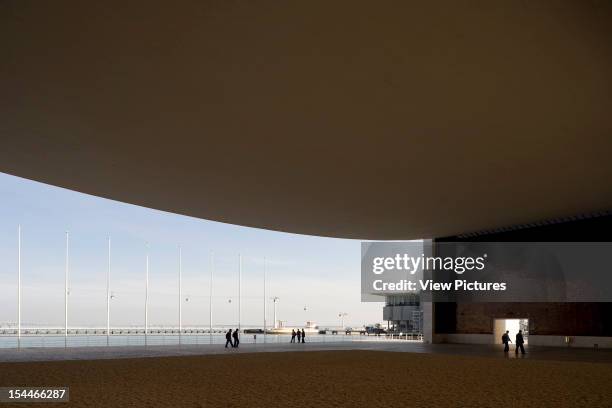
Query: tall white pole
x,y
264,297
275,300
108,294
341,316
147,295
180,294
239,288
66,294
19,286
210,317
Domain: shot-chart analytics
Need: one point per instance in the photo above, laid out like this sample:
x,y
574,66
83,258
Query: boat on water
x,y
309,327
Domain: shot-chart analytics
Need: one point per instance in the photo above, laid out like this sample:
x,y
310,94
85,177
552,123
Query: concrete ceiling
x,y
391,120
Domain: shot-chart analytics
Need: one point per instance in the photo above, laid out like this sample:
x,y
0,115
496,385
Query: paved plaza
x,y
495,351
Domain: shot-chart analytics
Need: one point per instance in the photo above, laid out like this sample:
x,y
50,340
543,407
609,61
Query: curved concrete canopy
x,y
346,119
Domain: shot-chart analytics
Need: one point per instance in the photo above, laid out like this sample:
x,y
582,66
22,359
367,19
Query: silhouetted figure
x,y
228,338
506,340
303,336
292,336
299,335
236,340
519,342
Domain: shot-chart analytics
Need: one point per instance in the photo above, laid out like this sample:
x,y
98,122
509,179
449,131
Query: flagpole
x,y
19,286
66,293
239,288
180,294
108,271
147,295
210,317
264,297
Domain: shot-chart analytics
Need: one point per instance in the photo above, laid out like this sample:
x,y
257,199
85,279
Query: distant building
x,y
403,313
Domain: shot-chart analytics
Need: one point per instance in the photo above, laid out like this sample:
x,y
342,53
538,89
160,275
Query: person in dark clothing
x,y
506,340
519,343
299,335
292,336
303,336
236,339
228,338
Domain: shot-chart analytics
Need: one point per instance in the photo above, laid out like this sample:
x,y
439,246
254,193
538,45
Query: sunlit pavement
x,y
92,353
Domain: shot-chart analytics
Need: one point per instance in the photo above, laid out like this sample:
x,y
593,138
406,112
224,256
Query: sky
x,y
315,278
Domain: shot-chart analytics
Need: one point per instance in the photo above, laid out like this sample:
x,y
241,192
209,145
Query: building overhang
x,y
342,119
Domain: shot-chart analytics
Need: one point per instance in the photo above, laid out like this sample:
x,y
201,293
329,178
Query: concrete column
x,y
428,322
428,307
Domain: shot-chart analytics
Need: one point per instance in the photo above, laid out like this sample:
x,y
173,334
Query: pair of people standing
x,y
301,336
519,341
229,336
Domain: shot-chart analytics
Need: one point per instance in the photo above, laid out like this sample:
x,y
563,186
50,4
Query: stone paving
x,y
495,351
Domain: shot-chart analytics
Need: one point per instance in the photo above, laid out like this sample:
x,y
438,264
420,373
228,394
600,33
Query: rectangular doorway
x,y
513,326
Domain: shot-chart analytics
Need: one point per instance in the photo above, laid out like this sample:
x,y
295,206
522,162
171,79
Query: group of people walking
x,y
229,336
519,341
232,339
301,336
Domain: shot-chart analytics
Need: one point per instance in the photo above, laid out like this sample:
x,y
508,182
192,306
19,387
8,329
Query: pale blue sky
x,y
321,274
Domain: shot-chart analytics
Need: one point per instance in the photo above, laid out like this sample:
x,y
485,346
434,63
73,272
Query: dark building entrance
x,y
580,324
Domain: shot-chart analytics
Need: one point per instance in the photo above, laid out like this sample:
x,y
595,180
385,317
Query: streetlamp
x,y
275,299
341,316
